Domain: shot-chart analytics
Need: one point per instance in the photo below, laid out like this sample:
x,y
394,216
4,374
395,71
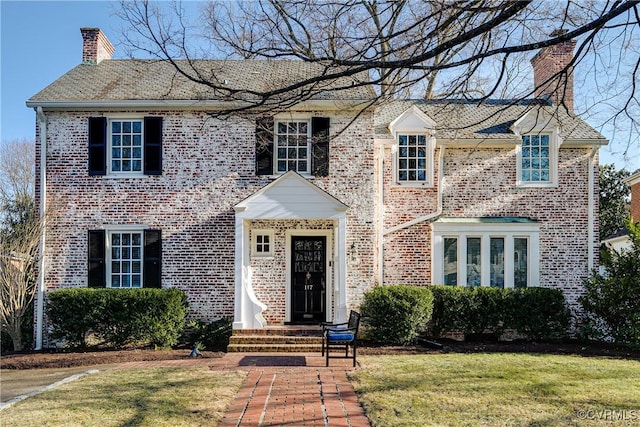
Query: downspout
x,y
381,214
43,200
591,210
438,210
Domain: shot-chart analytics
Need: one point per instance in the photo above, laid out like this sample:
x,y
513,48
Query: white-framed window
x,y
537,160
293,146
125,154
262,245
414,159
124,258
499,253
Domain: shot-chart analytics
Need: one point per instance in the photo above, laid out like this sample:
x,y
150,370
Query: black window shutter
x,y
152,259
264,146
320,146
96,272
97,145
153,145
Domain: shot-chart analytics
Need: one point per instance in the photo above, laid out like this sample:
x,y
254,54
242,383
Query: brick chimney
x,y
95,46
552,74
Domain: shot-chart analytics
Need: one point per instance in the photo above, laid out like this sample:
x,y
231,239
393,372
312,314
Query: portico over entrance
x,y
290,255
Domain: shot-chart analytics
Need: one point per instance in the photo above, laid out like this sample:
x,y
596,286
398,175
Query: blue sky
x,y
40,41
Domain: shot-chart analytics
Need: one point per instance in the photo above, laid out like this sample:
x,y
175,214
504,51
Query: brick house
x,y
290,218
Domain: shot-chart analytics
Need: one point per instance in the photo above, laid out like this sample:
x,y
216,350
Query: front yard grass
x,y
498,389
132,397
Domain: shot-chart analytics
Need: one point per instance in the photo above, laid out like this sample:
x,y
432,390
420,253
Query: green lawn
x,y
498,389
132,397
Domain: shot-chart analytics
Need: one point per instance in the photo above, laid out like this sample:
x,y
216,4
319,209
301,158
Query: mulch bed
x,y
59,359
37,360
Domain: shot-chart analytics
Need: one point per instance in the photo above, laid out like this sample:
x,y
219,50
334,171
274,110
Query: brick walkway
x,y
285,390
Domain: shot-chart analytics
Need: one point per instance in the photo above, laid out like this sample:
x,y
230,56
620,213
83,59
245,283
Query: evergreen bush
x,y
535,313
396,315
119,317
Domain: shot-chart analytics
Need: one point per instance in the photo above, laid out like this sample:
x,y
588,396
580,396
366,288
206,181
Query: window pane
x,y
411,158
520,262
497,262
126,134
535,158
474,266
451,261
126,257
294,136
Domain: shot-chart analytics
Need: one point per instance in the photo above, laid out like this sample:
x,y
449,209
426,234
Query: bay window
x,y
497,252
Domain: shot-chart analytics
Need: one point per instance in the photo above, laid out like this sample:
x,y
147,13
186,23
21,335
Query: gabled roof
x,y
149,80
291,196
490,120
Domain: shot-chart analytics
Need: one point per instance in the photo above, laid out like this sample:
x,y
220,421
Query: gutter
x,y
591,210
438,210
43,208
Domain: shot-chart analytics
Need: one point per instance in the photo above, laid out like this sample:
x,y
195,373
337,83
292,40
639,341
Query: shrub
x,y
72,314
396,314
611,302
536,313
449,309
212,336
118,316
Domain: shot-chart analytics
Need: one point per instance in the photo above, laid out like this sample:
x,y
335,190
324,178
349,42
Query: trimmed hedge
x,y
536,313
118,317
397,314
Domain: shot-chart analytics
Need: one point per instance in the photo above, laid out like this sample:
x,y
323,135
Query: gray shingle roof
x,y
124,80
491,119
132,79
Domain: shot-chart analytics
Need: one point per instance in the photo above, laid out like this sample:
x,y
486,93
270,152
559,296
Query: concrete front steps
x,y
277,339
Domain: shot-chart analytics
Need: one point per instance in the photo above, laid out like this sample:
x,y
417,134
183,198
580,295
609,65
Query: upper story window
x,y
125,147
536,158
537,150
293,146
299,144
413,159
414,148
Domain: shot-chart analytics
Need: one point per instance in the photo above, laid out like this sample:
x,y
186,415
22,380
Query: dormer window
x,y
536,165
414,148
537,150
413,159
537,160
